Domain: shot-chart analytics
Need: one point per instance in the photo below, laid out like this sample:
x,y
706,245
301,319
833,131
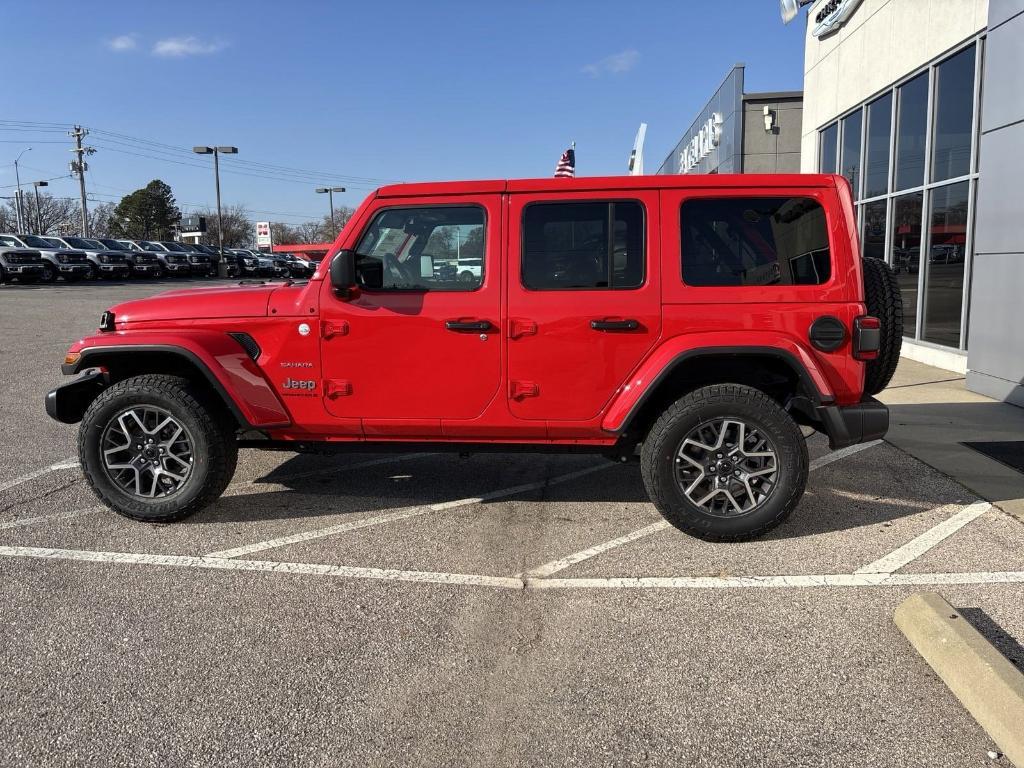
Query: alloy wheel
x,y
726,467
147,453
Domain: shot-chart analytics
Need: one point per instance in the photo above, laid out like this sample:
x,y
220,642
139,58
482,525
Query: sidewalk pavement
x,y
931,413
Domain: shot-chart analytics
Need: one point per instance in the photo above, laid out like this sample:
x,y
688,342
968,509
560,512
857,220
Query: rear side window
x,y
583,246
754,241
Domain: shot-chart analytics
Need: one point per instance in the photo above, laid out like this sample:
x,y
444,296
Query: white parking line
x,y
48,518
542,571
402,514
545,570
503,582
66,464
914,548
842,453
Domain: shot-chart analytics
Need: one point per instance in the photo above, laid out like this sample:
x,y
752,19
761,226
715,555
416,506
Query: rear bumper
x,y
67,403
852,424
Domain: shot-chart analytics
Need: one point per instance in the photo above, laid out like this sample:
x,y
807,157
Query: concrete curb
x,y
988,685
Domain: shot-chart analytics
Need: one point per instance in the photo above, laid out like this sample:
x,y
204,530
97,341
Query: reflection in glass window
x,y
944,278
849,163
954,101
906,253
873,235
876,171
754,241
829,149
583,246
911,127
423,249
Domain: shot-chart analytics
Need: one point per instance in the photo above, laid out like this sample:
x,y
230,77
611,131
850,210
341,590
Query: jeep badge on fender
x,y
695,322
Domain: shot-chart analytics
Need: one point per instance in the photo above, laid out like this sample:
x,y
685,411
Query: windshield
x,y
36,242
54,242
176,247
148,246
9,240
114,245
130,245
81,242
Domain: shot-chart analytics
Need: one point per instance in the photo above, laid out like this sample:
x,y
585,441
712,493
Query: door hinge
x,y
329,330
334,388
520,390
518,327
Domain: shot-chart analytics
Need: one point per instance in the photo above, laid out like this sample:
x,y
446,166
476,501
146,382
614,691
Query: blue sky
x,y
368,92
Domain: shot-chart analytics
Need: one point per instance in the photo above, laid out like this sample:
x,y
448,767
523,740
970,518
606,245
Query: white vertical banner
x,y
636,157
263,237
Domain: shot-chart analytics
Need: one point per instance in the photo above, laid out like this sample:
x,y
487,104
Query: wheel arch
x,y
778,372
229,379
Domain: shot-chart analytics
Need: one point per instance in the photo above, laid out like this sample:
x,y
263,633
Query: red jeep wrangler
x,y
699,319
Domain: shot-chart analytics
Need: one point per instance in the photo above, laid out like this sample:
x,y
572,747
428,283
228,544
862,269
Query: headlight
x,y
104,259
62,258
249,262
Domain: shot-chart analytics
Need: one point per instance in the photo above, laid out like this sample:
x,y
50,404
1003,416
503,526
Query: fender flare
x,y
229,371
669,356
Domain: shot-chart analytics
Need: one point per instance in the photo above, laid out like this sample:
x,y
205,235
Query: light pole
x,y
39,211
17,179
217,152
330,196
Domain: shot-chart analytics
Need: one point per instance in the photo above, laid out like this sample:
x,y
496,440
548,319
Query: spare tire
x,y
884,300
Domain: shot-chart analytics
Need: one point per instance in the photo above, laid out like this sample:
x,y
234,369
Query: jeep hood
x,y
198,303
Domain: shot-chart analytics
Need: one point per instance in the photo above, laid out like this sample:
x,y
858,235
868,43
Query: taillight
x,y
867,337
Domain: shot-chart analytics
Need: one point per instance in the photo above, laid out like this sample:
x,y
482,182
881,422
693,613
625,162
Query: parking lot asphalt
x,y
386,609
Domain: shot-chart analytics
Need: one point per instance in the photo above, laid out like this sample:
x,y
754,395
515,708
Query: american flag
x,y
566,168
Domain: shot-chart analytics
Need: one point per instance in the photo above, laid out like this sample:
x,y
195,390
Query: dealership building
x,y
739,132
920,104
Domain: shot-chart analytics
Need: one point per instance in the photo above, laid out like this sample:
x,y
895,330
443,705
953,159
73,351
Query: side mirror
x,y
343,273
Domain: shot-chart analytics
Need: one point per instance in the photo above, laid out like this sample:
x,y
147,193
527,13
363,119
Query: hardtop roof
x,y
612,183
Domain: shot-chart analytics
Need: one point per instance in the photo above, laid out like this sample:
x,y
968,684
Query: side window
x,y
754,241
423,249
583,246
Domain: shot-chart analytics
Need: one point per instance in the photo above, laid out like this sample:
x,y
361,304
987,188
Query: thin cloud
x,y
123,43
177,47
616,64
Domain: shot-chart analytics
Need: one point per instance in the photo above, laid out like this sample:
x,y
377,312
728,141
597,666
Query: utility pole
x,y
17,179
217,152
79,167
330,196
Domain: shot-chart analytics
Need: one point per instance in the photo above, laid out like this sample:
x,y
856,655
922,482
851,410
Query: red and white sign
x,y
263,233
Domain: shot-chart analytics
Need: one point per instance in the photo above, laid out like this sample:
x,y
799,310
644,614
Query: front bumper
x,y
178,269
67,403
851,424
116,270
24,269
73,269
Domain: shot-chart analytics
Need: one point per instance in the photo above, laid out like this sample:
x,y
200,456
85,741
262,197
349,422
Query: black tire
x,y
215,451
49,273
702,406
3,275
884,301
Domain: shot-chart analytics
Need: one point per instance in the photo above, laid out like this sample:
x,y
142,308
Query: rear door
x,y
584,302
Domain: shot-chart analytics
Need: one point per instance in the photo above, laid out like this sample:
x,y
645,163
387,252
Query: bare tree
x,y
239,229
54,215
101,217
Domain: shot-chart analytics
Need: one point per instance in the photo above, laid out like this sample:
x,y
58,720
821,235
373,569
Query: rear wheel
x,y
884,301
725,463
154,448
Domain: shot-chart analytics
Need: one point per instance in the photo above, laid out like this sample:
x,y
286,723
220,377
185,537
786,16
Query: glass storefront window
x,y
873,235
944,275
954,113
829,145
911,127
876,171
849,162
906,253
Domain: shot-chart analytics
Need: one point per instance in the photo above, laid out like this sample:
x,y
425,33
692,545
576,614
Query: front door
x,y
584,301
419,341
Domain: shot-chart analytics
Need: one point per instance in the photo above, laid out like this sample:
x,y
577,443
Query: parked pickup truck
x,y
19,263
694,323
58,261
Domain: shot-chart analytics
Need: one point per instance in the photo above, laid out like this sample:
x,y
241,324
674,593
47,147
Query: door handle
x,y
468,326
614,325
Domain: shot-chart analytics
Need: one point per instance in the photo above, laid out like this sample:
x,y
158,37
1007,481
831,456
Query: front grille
x,y
176,258
142,258
28,257
74,258
199,259
116,258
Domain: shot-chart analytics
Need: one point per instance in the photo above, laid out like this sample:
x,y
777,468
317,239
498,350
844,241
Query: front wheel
x,y
155,448
725,463
49,274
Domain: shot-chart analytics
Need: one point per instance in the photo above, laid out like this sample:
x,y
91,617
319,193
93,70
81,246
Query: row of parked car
x,y
34,258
